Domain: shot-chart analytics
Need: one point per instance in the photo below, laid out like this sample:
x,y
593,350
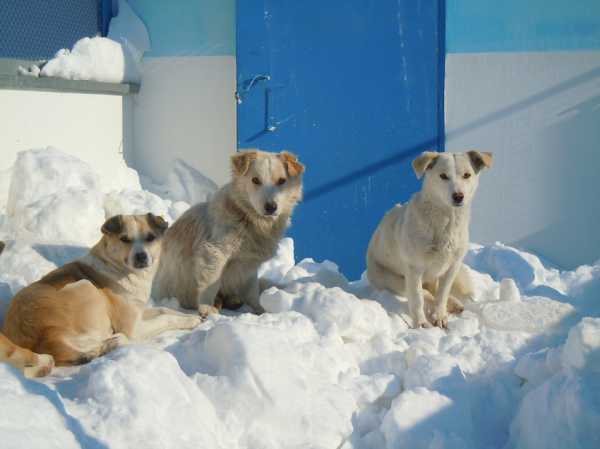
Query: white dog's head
x,y
270,182
451,178
133,240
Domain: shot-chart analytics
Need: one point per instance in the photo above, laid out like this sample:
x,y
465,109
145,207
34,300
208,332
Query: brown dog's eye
x,y
150,237
125,239
444,176
466,175
256,181
281,181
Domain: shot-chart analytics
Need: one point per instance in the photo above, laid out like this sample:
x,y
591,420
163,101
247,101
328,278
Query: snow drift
x,y
331,364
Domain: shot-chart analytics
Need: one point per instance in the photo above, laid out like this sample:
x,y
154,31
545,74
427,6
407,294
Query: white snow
x,y
113,59
331,364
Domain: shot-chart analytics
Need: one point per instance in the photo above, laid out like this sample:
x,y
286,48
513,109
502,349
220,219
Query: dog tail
x,y
32,364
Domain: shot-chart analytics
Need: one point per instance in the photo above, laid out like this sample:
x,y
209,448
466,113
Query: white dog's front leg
x,y
440,314
416,302
251,294
156,320
209,272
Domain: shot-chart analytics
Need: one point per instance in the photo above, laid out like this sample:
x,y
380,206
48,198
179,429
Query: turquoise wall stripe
x,y
188,27
522,25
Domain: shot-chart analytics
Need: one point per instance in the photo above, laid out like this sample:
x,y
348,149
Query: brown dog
x,y
32,364
91,306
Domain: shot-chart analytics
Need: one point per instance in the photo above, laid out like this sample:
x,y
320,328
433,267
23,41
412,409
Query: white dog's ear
x,y
480,160
292,165
240,162
113,225
424,162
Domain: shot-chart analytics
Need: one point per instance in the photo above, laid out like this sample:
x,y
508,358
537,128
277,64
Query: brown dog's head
x,y
133,240
270,182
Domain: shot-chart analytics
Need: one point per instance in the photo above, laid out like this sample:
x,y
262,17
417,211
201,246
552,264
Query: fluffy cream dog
x,y
211,254
88,307
418,249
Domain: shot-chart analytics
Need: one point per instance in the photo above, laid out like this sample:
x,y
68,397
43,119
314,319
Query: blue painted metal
x,y
517,25
188,27
355,90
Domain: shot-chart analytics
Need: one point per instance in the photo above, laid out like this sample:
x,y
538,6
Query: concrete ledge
x,y
9,79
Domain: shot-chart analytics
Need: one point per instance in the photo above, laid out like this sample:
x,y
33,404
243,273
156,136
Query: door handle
x,y
247,86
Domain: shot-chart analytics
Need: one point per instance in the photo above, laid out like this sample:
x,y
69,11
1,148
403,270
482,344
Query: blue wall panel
x,y
522,25
188,27
355,91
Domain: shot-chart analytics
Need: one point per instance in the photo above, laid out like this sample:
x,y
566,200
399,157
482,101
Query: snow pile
x,y
333,362
113,59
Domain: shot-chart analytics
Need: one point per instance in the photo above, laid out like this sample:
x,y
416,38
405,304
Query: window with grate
x,y
37,29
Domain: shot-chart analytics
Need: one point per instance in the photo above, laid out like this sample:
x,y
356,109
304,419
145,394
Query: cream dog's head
x,y
271,183
451,178
133,240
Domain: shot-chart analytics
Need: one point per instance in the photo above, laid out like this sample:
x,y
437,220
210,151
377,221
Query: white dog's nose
x,y
458,197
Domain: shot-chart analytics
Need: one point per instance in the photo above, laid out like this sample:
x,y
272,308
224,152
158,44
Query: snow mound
x,y
331,364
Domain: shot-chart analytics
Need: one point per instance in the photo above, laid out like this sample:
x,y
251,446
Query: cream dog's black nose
x,y
458,197
270,207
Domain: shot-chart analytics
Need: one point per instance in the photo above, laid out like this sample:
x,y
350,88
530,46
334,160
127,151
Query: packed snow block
x,y
137,396
563,412
425,419
273,271
96,59
582,349
502,261
32,415
21,264
274,378
534,314
331,309
54,196
134,202
185,183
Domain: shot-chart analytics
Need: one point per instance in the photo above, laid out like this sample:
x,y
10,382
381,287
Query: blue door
x,y
353,87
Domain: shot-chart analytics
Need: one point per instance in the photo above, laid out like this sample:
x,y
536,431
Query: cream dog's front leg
x,y
440,314
209,267
416,302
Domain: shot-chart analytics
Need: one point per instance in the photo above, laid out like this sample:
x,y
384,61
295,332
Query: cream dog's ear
x,y
424,162
157,223
240,162
292,164
480,160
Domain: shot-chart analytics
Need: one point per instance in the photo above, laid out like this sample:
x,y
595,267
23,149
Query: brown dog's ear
x,y
424,162
240,162
157,223
292,165
113,225
2,245
480,160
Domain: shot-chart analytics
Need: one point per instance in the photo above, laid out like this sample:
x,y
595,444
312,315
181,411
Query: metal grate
x,y
36,29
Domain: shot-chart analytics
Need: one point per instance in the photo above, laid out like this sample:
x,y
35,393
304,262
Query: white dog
x,y
211,254
418,249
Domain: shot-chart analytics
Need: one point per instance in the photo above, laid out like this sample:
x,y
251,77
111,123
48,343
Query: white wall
x,y
539,113
89,126
185,109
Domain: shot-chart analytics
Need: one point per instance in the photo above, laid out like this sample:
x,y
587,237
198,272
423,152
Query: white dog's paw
x,y
204,310
421,323
440,318
42,367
